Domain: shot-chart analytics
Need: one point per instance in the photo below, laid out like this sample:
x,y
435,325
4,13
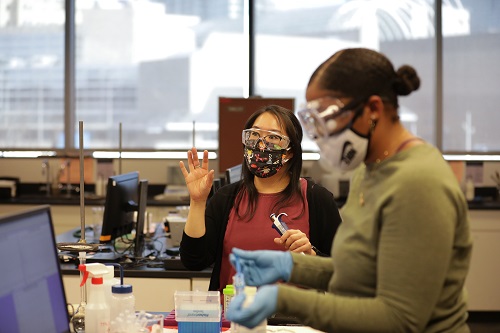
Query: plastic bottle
x,y
109,282
97,315
122,307
99,186
228,293
469,189
249,297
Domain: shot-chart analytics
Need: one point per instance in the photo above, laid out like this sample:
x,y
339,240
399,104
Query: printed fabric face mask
x,y
264,163
264,151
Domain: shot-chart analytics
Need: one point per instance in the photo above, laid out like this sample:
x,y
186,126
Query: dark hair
x,y
360,73
287,119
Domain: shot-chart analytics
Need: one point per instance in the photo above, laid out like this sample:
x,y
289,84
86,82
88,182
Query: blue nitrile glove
x,y
263,266
263,306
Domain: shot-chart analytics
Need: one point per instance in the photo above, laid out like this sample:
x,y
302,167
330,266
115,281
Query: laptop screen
x,y
32,295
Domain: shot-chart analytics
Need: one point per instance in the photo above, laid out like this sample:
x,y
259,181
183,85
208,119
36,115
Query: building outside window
x,y
31,73
158,67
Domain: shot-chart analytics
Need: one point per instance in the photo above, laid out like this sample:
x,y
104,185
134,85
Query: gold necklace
x,y
378,160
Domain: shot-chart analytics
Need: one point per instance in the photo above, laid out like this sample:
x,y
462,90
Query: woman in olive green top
x,y
401,256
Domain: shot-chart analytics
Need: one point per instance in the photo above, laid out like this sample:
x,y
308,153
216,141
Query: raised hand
x,y
198,179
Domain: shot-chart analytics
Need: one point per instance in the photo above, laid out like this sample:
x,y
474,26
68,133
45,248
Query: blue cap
x,y
121,289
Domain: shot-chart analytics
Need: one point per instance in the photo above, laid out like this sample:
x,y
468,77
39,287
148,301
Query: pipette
x,y
279,225
238,278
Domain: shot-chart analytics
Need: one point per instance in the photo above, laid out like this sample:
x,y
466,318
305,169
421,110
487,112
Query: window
x,y
294,37
31,73
158,68
471,48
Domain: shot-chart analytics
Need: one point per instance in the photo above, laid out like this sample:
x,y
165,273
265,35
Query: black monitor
x,y
216,185
122,200
141,212
233,174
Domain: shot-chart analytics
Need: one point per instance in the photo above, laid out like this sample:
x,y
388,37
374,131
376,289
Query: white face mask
x,y
345,150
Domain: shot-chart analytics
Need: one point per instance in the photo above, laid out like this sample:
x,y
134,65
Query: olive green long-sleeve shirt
x,y
400,257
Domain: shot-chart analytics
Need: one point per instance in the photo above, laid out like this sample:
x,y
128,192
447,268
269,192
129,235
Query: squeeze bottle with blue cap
x,y
122,307
97,316
109,282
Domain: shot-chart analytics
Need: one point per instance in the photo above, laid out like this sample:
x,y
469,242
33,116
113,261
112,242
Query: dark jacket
x,y
200,253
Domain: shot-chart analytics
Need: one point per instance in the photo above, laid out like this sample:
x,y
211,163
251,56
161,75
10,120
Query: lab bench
x,y
482,281
153,283
66,211
153,287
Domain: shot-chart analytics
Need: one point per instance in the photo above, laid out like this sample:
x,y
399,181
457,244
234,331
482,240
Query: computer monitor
x,y
122,200
233,174
141,212
32,297
216,185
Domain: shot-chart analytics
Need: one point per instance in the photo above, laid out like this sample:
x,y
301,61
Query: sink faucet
x,y
46,173
65,167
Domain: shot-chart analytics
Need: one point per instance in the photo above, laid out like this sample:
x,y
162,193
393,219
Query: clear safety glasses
x,y
325,116
254,137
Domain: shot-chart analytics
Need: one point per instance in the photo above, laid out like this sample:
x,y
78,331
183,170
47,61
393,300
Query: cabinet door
x,y
151,294
156,294
482,282
200,284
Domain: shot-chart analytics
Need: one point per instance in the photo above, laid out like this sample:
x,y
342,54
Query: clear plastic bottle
x,y
122,308
228,293
469,189
97,312
262,327
109,282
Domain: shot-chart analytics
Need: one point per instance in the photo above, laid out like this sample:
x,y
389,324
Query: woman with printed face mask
x,y
402,252
238,214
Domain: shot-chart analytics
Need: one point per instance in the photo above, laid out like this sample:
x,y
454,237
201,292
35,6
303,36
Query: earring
x,y
372,125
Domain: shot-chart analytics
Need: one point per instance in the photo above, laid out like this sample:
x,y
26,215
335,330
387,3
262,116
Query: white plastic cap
x,y
250,291
110,274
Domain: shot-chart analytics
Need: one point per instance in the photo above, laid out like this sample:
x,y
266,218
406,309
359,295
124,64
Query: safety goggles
x,y
254,137
326,116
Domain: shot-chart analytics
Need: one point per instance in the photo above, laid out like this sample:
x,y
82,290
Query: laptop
x,y
32,297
